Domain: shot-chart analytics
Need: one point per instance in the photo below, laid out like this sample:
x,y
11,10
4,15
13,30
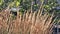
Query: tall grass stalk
x,y
28,23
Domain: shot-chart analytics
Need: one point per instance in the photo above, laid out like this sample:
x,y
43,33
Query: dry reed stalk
x,y
29,23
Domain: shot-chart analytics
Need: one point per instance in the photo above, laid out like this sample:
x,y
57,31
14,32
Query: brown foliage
x,y
29,23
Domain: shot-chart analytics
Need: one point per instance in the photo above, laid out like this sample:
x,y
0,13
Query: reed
x,y
28,23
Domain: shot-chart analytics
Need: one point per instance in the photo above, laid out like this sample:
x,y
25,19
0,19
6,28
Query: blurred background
x,y
49,6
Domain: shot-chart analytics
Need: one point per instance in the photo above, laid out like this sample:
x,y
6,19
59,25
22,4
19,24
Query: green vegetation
x,y
24,5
